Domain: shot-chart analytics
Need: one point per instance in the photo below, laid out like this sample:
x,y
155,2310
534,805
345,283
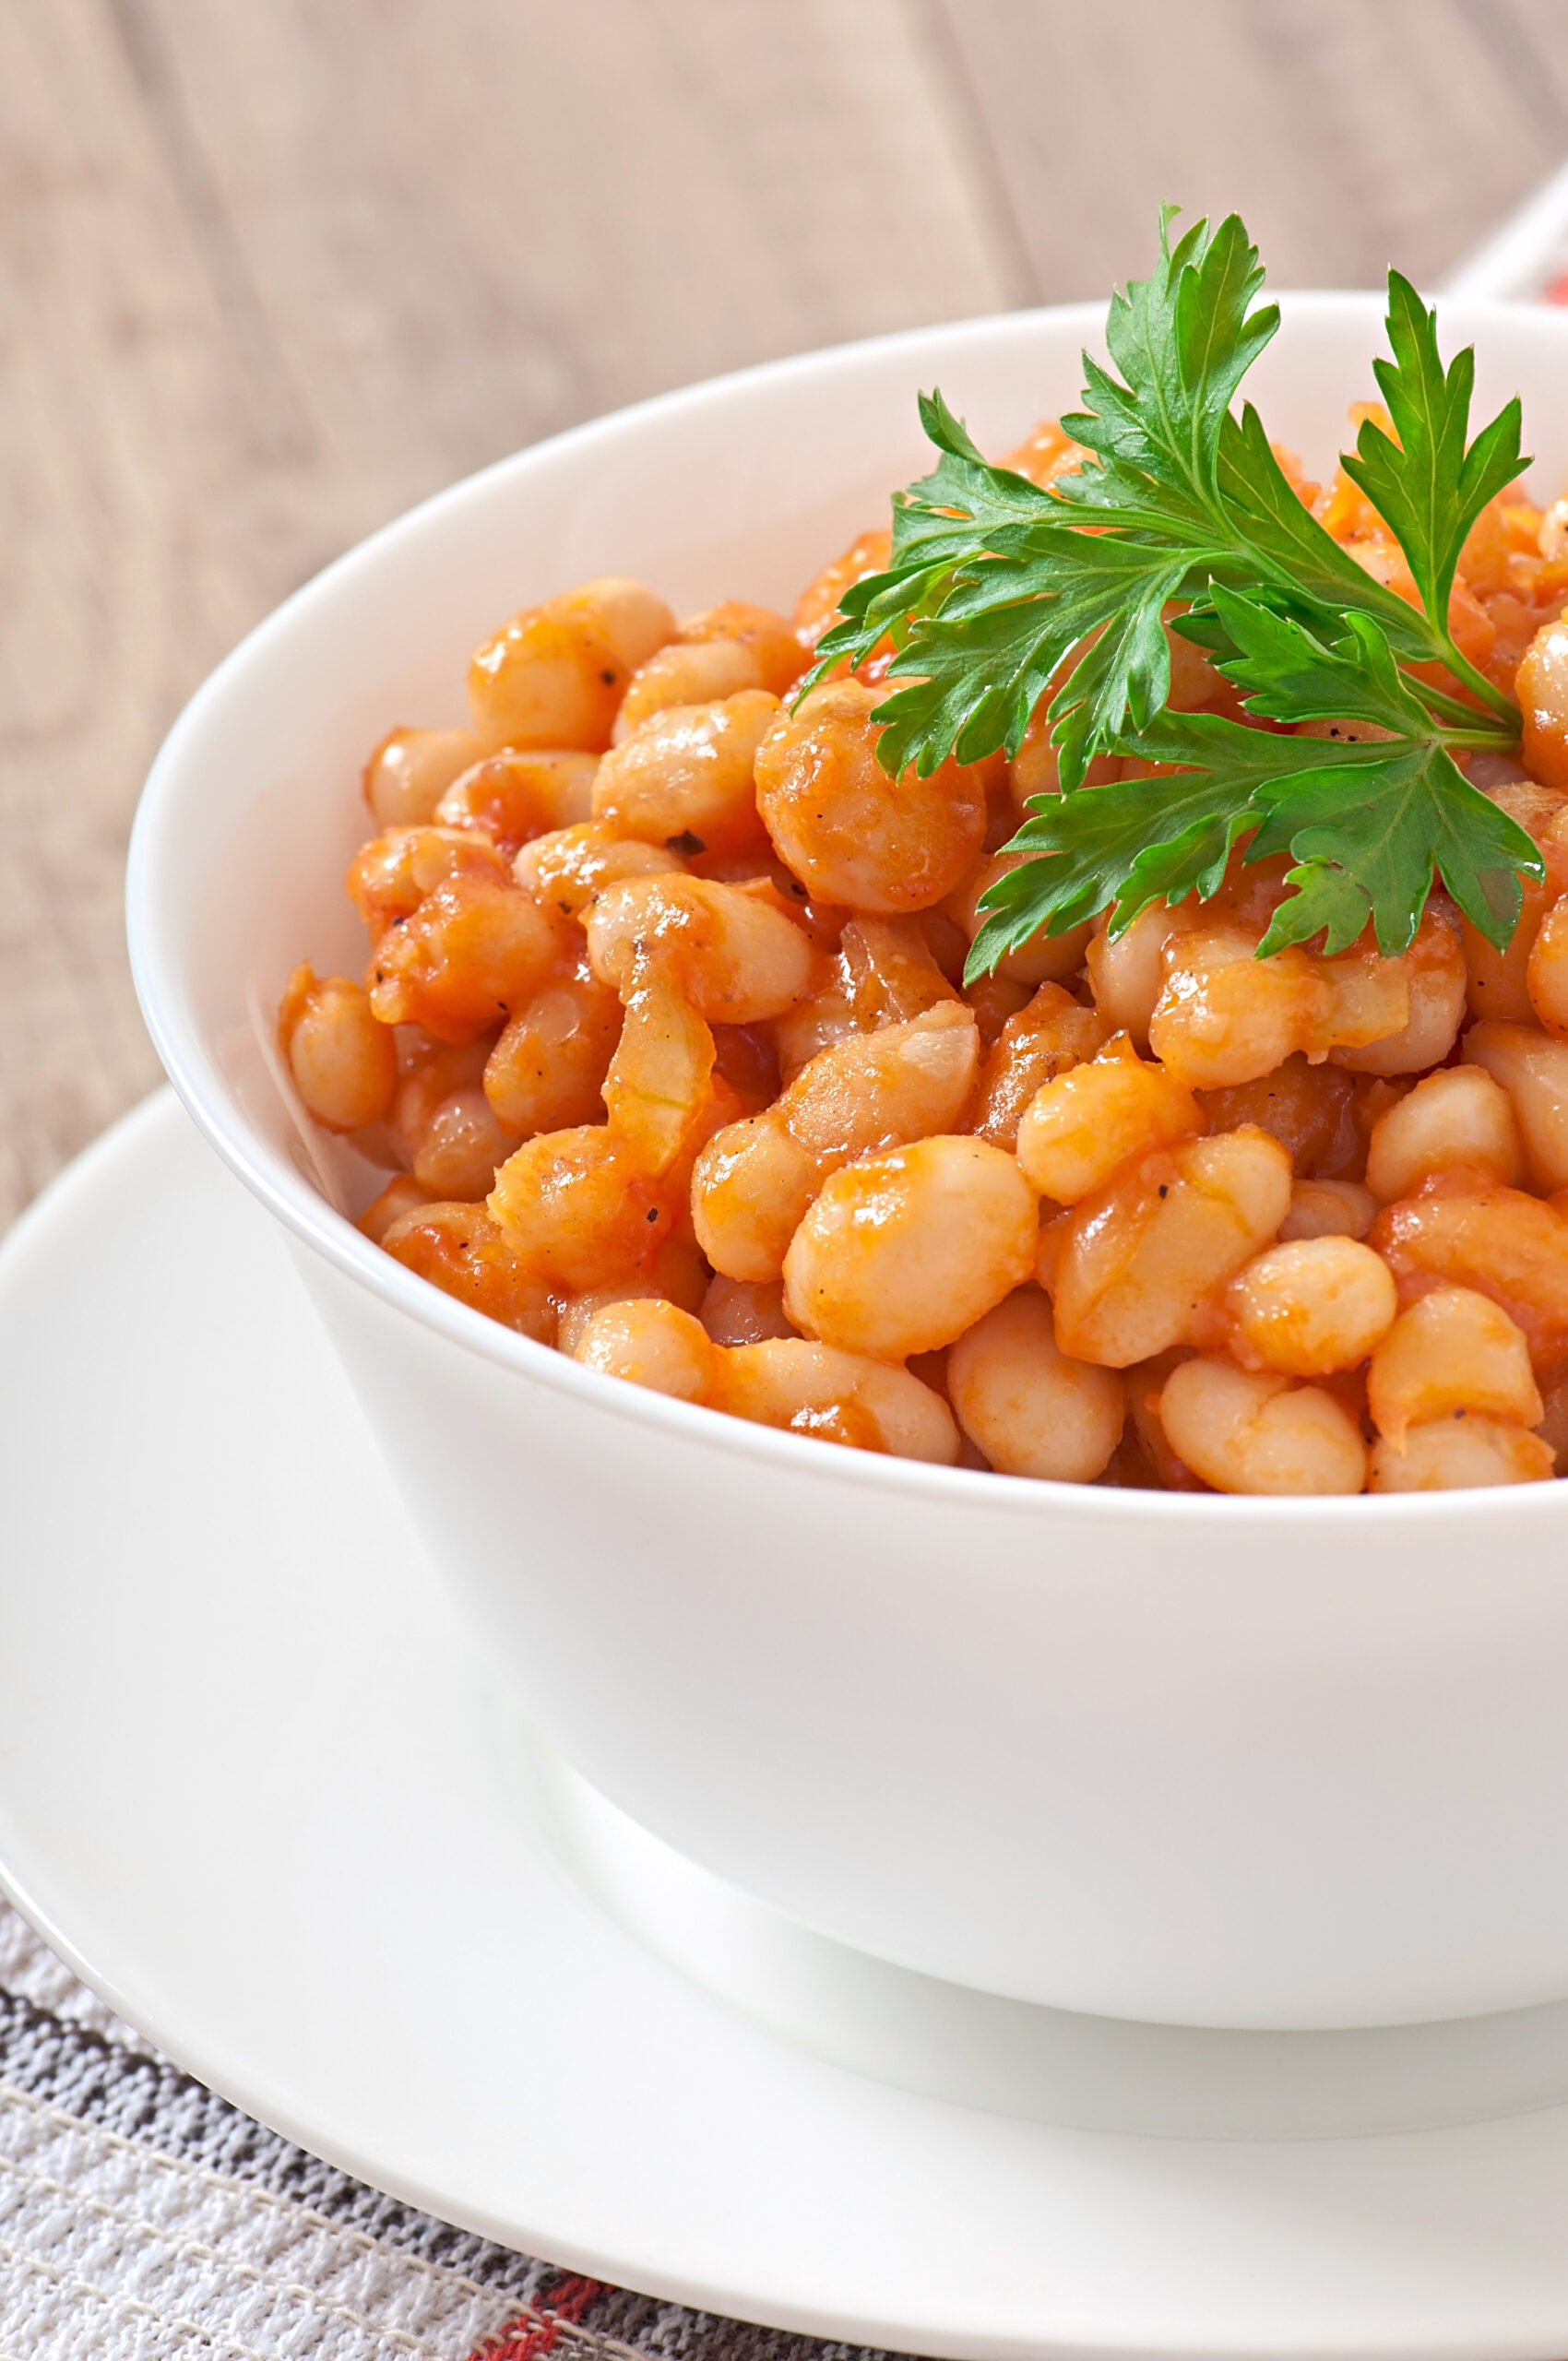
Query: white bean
x,y
1031,1410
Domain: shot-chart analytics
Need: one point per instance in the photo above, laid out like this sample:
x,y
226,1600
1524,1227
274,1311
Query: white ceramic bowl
x,y
1216,1761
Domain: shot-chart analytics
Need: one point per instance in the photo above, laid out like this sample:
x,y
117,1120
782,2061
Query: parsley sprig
x,y
995,587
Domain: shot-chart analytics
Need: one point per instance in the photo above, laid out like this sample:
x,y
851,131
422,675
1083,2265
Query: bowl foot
x,y
978,2049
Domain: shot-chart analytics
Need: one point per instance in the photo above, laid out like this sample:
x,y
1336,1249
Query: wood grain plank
x,y
1349,136
528,214
103,314
268,272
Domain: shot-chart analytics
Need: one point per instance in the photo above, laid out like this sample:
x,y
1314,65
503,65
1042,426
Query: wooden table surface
x,y
272,269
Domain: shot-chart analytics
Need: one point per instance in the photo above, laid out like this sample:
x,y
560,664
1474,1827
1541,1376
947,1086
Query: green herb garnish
x,y
994,583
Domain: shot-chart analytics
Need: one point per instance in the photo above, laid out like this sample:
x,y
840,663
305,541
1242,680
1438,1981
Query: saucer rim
x,y
149,1138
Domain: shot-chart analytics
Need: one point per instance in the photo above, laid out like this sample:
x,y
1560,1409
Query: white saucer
x,y
253,1787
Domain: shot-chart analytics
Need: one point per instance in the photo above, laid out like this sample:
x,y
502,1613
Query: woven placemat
x,y
142,2217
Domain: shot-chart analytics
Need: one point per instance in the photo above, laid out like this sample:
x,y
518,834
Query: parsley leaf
x,y
971,540
998,594
1366,838
1119,847
1290,675
1428,488
1368,820
1183,339
1303,569
990,653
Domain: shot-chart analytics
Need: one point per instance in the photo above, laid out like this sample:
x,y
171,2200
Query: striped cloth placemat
x,y
141,2217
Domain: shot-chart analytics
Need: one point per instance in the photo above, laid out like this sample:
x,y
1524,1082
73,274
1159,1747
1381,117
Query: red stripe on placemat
x,y
1556,290
533,2333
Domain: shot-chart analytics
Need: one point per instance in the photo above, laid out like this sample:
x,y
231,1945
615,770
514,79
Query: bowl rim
x,y
311,1219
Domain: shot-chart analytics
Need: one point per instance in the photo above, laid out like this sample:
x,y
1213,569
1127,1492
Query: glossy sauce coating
x,y
665,1036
